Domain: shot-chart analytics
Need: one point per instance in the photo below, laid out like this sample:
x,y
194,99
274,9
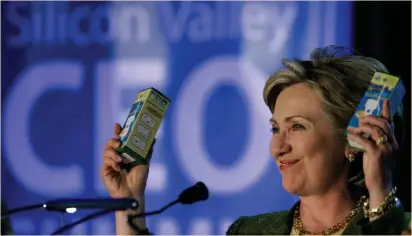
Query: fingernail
x,y
119,158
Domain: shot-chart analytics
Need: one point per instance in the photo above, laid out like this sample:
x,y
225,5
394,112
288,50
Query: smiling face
x,y
309,155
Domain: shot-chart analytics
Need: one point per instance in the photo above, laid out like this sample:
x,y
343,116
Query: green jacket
x,y
280,223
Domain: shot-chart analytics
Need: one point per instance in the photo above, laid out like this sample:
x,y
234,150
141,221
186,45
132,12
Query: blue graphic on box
x,y
372,101
367,106
127,128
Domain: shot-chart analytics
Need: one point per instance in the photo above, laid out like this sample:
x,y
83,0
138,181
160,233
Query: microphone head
x,y
197,192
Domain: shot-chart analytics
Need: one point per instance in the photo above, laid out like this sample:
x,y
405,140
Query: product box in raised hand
x,y
142,123
382,86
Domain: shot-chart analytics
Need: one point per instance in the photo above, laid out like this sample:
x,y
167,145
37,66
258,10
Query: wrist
x,y
121,195
379,183
378,194
379,203
122,217
138,196
122,224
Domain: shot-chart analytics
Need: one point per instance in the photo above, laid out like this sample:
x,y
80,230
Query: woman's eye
x,y
297,127
274,130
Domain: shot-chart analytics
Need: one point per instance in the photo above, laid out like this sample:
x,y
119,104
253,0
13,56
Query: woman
x,y
340,189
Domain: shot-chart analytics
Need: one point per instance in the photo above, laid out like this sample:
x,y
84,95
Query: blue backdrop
x,y
70,70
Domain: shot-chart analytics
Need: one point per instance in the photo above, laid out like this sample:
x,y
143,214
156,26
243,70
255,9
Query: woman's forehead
x,y
298,95
298,100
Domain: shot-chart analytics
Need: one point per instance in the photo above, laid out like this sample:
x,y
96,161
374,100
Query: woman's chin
x,y
291,186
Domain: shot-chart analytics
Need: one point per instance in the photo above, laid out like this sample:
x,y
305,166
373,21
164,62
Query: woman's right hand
x,y
119,183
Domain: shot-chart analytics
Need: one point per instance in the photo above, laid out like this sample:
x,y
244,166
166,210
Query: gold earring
x,y
351,157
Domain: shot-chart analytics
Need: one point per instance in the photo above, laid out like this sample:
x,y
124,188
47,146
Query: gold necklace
x,y
300,229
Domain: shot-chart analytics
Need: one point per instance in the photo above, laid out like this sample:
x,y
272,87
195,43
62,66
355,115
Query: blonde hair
x,y
339,75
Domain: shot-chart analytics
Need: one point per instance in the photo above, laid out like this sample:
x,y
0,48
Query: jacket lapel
x,y
280,223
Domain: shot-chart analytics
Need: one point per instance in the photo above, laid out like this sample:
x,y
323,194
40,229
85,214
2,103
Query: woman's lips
x,y
284,164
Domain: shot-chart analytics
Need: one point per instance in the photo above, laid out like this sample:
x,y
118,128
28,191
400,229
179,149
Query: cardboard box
x,y
382,86
142,124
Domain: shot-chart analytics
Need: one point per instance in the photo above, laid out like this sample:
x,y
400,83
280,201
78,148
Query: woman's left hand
x,y
378,150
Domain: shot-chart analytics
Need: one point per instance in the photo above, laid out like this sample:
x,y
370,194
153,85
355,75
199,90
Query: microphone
x,y
63,205
195,193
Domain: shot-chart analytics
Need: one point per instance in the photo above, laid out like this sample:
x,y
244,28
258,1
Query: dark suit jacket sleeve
x,y
5,223
392,223
234,228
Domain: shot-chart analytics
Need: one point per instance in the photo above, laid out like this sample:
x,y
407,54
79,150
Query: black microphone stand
x,y
21,209
104,212
62,204
195,193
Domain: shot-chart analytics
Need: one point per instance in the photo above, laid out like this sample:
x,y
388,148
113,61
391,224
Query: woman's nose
x,y
279,145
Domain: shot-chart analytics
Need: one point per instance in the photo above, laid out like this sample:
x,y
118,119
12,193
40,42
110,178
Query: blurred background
x,y
70,70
